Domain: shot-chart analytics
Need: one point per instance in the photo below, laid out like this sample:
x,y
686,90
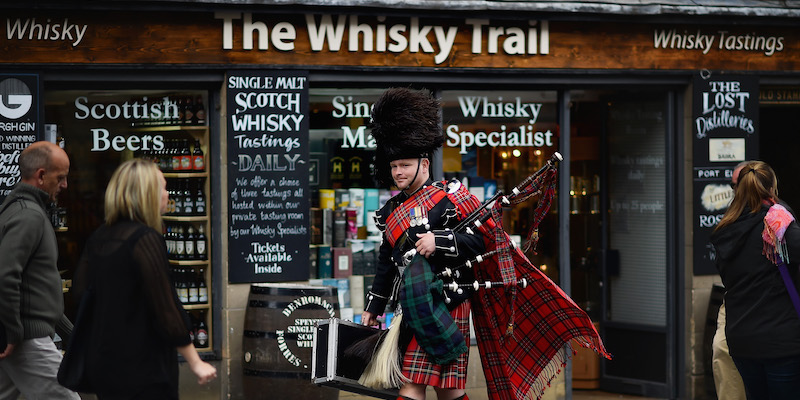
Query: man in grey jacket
x,y
31,299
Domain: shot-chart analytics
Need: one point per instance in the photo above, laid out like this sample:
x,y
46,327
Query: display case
x,y
187,222
99,130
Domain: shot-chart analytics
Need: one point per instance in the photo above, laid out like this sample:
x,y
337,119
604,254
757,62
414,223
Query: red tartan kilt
x,y
418,367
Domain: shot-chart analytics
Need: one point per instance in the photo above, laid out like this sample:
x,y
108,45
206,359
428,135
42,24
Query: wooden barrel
x,y
279,326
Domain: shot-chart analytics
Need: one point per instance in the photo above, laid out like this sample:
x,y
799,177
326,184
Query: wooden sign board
x,y
225,38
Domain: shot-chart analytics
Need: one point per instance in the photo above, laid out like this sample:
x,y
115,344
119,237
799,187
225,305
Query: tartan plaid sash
x,y
427,315
400,219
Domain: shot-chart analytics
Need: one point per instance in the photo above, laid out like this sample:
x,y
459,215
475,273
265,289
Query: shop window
x,y
494,140
587,124
344,196
101,129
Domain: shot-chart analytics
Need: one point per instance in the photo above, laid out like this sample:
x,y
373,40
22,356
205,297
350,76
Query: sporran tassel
x,y
383,371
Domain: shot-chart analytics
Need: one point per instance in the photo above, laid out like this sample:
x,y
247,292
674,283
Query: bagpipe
x,y
500,273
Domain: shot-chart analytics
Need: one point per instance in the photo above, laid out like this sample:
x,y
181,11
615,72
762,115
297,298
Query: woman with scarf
x,y
756,238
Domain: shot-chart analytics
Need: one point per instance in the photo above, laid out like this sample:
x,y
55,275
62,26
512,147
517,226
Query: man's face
x,y
54,178
404,170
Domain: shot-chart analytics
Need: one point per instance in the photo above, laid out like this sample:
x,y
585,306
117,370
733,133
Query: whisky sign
x,y
268,160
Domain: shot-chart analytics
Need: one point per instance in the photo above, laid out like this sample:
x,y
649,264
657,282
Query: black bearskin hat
x,y
405,124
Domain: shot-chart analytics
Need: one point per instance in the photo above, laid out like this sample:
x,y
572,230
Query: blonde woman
x,y
138,322
755,235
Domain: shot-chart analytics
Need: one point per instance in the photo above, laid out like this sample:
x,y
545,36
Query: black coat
x,y
761,320
138,319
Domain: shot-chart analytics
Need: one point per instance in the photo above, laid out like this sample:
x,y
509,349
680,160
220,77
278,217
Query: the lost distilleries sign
x,y
724,122
225,38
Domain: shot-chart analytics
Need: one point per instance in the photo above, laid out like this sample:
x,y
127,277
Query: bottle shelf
x,y
189,263
203,306
203,174
175,218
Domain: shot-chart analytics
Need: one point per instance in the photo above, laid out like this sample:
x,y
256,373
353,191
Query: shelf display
x,y
101,129
186,224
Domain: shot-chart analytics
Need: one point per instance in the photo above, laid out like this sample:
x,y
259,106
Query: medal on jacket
x,y
418,216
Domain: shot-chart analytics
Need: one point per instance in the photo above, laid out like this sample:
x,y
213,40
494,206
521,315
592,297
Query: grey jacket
x,y
31,298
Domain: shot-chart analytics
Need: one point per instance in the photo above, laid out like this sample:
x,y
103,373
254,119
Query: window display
x,y
101,129
494,140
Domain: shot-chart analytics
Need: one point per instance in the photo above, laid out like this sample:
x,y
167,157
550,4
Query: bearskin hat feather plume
x,y
405,124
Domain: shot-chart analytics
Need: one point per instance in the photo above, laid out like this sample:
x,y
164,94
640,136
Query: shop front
x,y
258,118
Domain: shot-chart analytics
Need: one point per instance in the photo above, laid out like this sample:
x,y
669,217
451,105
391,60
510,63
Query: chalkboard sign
x,y
725,133
19,124
268,158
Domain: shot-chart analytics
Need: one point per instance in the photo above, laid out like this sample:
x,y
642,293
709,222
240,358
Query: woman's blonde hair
x,y
134,193
756,182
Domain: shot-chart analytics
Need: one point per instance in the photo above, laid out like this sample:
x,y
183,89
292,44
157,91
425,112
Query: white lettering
x,y
102,142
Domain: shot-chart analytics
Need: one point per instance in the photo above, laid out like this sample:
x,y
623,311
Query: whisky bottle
x,y
189,244
180,245
201,335
200,243
188,111
199,199
200,110
188,199
186,156
176,156
193,289
198,159
202,289
183,288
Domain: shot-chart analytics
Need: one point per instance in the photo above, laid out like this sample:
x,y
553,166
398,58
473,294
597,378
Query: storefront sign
x,y
506,134
268,204
725,117
506,122
779,95
364,40
19,124
723,40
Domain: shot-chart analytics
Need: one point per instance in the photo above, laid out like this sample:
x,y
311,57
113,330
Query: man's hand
x,y
7,352
426,245
369,319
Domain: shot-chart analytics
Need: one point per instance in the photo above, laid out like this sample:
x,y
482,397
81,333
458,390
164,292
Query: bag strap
x,y
787,280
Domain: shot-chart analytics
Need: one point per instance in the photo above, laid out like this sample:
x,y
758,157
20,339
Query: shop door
x,y
637,322
779,130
